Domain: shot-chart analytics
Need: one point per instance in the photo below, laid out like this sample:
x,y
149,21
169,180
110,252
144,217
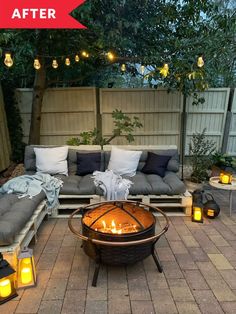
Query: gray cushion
x,y
30,159
173,164
73,185
153,184
14,214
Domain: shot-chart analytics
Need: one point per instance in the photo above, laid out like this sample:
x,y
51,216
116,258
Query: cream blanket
x,y
114,186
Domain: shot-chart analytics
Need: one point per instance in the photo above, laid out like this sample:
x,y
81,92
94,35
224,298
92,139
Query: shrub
x,y
201,150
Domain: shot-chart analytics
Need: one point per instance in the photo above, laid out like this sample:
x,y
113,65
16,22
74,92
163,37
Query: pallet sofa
x,y
20,218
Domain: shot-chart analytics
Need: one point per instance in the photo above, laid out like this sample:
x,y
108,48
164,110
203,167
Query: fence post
x,y
227,123
183,134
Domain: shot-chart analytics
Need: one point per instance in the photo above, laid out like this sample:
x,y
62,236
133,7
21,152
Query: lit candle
x,y
197,215
225,179
5,288
26,275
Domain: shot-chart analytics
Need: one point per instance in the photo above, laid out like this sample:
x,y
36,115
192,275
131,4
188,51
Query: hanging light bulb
x,y
76,58
164,71
8,60
200,62
37,64
110,56
85,54
123,67
142,69
54,64
67,61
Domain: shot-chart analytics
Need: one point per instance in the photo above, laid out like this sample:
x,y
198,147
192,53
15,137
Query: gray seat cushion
x,y
74,184
14,214
153,184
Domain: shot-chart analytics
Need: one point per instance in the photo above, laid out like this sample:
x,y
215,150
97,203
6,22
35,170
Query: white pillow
x,y
52,160
124,162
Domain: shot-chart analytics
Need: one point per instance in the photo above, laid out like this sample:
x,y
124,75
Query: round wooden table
x,y
215,182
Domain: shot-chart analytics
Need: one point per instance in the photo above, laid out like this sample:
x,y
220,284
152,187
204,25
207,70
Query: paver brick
x,y
50,307
142,307
220,261
187,308
163,301
74,302
195,280
189,241
98,307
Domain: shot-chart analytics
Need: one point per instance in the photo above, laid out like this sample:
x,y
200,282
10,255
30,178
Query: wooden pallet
x,y
25,236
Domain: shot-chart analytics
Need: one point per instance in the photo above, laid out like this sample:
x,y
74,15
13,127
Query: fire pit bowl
x,y
118,232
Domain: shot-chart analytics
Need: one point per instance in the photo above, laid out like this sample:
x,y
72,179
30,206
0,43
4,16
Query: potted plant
x,y
221,162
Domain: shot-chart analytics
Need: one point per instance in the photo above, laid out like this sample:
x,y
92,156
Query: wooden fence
x,y
69,111
231,147
5,146
65,113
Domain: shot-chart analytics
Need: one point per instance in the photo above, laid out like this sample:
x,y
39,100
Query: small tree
x,y
123,125
201,150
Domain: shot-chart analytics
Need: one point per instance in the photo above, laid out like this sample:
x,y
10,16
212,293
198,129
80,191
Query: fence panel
x,y
159,112
210,115
65,113
231,147
5,146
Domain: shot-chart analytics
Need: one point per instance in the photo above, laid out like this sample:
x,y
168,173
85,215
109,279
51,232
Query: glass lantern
x,y
7,286
26,274
197,213
225,177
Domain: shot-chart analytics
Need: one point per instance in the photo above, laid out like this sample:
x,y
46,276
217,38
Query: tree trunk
x,y
38,92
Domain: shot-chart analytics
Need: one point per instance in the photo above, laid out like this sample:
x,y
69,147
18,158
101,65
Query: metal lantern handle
x,y
111,243
207,195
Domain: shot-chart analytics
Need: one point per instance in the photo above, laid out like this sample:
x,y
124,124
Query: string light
x,y
54,64
200,62
84,54
8,60
123,67
67,61
77,58
37,64
110,56
164,71
142,69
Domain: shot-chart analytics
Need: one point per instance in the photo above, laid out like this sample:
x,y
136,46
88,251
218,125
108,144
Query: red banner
x,y
39,14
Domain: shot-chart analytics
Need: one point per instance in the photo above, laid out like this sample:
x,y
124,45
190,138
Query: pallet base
x,y
10,252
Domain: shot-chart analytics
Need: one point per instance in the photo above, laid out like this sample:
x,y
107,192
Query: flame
x,y
104,224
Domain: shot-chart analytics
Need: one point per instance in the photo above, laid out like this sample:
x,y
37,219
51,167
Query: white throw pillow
x,y
52,160
124,162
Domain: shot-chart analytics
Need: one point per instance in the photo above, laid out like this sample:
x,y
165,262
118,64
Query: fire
x,y
117,229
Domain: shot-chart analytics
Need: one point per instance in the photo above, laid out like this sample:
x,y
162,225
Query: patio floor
x,y
199,275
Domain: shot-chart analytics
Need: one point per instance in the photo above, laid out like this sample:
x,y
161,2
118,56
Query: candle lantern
x,y
26,274
211,209
225,177
7,286
197,212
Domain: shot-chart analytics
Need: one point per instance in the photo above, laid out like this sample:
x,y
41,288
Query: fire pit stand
x,y
129,241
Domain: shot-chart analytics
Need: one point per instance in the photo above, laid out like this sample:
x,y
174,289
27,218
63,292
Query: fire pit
x,y
118,233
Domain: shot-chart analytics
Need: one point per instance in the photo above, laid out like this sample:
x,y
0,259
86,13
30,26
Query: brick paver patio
x,y
199,273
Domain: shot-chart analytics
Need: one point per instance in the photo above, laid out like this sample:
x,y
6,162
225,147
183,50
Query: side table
x,y
215,182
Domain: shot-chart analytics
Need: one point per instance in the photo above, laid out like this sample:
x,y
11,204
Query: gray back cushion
x,y
30,158
173,164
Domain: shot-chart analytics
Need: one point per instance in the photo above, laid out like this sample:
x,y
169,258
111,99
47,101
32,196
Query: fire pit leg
x,y
156,260
95,275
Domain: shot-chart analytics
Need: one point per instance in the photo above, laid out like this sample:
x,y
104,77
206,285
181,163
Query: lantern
x,y
8,60
211,209
225,177
7,287
26,275
197,213
67,61
37,64
164,71
54,64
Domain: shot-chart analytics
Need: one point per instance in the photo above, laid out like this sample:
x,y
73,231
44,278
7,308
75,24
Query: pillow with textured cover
x,y
156,164
52,160
88,163
124,162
